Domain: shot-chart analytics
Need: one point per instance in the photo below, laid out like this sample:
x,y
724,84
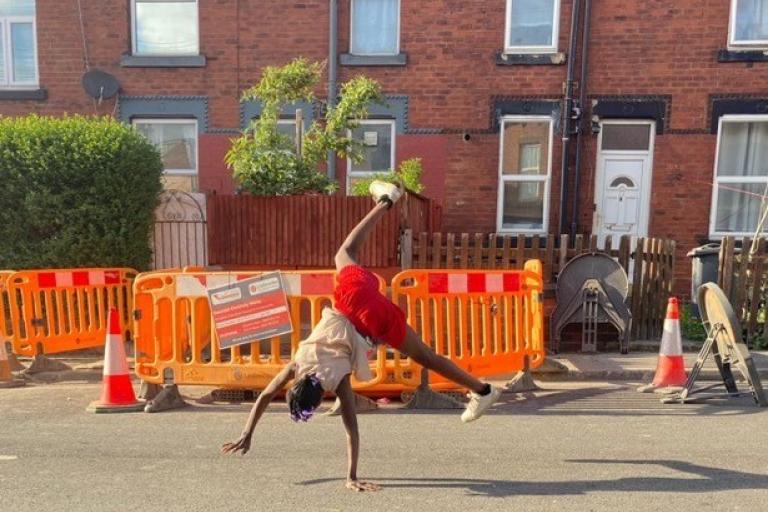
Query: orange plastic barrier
x,y
6,332
486,321
62,310
176,340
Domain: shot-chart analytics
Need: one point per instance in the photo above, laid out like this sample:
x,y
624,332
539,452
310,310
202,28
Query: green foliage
x,y
408,174
691,327
266,163
76,192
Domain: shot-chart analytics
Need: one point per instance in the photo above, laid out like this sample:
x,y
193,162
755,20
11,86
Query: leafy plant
x,y
408,174
691,327
264,162
76,192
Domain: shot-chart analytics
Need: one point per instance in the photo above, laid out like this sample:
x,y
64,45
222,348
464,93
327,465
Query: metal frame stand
x,y
692,394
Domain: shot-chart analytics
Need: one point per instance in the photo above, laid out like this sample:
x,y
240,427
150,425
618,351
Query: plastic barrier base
x,y
521,383
43,364
362,404
425,398
148,391
13,361
168,398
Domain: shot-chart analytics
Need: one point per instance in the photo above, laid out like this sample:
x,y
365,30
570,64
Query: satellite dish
x,y
100,85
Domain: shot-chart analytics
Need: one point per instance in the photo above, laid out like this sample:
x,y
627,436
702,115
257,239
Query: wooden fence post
x,y
406,249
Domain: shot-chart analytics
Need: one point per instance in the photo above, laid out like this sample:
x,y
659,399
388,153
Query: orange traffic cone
x,y
117,391
6,377
670,370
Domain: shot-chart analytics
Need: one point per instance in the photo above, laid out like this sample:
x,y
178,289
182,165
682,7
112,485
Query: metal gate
x,y
180,236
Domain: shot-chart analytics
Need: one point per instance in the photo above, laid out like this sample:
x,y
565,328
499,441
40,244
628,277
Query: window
x,y
378,138
532,26
524,172
530,156
176,139
165,28
749,23
18,48
741,174
287,127
375,27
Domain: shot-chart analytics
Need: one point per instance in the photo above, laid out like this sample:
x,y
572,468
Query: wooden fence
x,y
306,231
649,263
743,276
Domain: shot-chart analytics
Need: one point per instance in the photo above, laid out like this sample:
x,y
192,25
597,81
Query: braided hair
x,y
304,397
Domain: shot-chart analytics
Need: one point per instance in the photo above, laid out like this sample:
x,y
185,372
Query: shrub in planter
x,y
76,192
408,174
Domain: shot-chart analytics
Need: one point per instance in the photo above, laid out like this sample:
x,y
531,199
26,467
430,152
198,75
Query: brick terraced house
x,y
531,116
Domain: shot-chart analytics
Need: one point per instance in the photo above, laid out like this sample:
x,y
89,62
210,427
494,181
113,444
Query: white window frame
x,y
5,28
717,180
741,45
134,27
352,31
178,120
544,179
364,174
513,50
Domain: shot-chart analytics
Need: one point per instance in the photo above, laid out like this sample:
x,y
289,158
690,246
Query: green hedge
x,y
75,192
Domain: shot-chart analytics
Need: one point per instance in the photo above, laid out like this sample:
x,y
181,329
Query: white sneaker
x,y
383,191
478,404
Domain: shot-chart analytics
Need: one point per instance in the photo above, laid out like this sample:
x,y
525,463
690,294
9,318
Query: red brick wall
x,y
636,48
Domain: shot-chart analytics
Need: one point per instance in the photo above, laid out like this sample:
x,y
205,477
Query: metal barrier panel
x,y
486,321
176,340
61,310
6,332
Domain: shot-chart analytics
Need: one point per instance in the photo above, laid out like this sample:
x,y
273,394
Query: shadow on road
x,y
617,400
704,480
620,400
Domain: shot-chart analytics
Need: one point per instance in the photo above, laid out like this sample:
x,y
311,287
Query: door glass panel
x,y
622,181
626,137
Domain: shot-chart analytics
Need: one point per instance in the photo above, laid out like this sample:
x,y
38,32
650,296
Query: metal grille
x,y
180,236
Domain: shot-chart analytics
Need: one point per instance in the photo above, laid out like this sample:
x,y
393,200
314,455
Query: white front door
x,y
623,179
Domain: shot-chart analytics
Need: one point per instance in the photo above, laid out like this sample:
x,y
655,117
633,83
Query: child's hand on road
x,y
360,486
242,444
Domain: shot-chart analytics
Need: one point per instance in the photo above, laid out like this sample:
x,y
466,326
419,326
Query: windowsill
x,y
39,94
157,61
348,59
746,55
530,59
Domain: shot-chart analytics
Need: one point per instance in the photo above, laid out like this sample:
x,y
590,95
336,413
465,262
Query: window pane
x,y
523,205
166,28
530,155
23,52
743,149
179,182
751,20
377,147
738,207
175,141
17,7
287,128
531,23
524,142
374,27
626,137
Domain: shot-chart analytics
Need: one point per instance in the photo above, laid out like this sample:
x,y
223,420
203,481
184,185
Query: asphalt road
x,y
577,447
